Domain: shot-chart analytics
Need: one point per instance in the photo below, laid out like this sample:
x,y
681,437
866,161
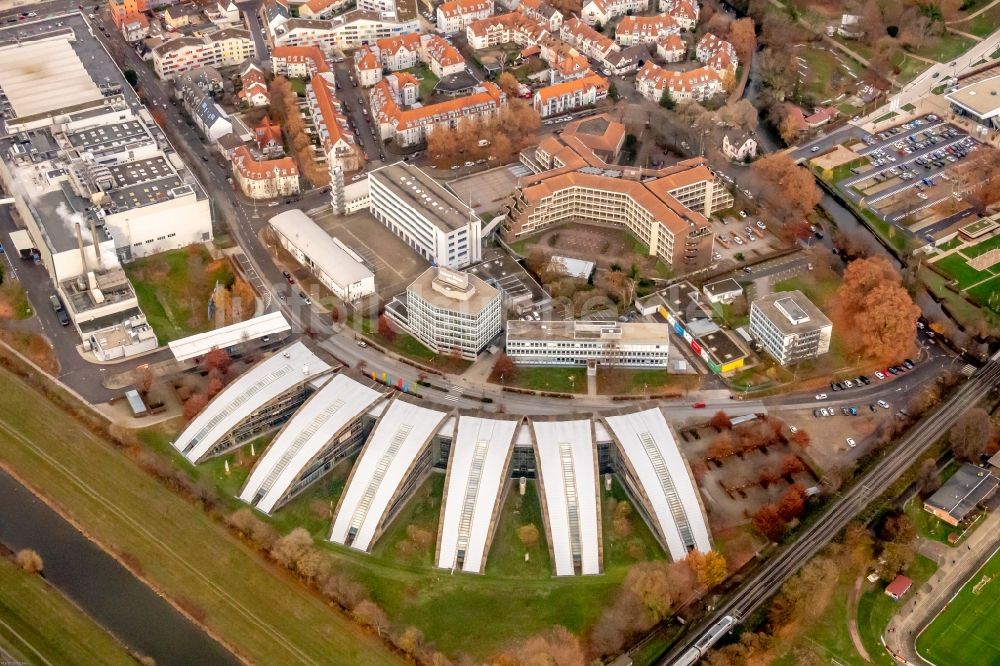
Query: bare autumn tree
x,y
873,305
804,597
742,114
787,189
194,405
217,359
555,647
768,521
505,369
793,502
29,560
743,38
928,477
385,328
971,434
721,421
371,615
509,84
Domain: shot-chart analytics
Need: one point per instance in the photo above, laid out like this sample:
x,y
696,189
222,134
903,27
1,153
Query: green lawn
x,y
178,547
968,630
409,346
950,245
957,266
631,545
423,512
39,625
875,609
13,300
561,380
964,311
988,294
506,558
981,247
816,290
427,78
946,48
298,86
982,25
174,288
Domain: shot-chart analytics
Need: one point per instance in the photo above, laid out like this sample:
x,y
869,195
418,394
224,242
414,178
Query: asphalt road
x,y
766,581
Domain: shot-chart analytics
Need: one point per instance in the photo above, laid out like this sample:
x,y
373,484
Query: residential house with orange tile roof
x,y
602,11
543,13
633,30
513,27
456,15
267,136
443,58
254,92
400,52
297,62
685,12
570,95
331,125
322,9
264,179
716,53
367,67
671,48
568,66
696,84
408,126
575,179
587,40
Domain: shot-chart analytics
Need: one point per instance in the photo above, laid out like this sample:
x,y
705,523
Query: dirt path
x,y
852,620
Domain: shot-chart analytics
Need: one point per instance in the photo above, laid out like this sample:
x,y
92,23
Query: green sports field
x,y
968,630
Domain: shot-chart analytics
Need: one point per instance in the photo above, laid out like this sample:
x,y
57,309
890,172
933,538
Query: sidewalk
x,y
956,568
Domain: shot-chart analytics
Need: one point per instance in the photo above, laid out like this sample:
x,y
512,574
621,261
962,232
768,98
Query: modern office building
x,y
576,343
450,312
430,219
336,266
789,327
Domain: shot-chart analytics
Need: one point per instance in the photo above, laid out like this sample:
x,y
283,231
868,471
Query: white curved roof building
x,y
310,443
656,474
478,475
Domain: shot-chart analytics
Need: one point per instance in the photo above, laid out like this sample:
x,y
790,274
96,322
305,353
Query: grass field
x,y
39,625
816,289
174,287
968,630
561,380
177,546
875,609
963,310
982,247
988,294
957,266
945,48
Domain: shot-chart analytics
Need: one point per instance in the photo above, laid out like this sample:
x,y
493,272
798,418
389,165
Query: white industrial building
x,y
259,400
450,312
227,337
567,474
655,474
328,428
789,327
478,478
337,267
429,218
570,343
394,461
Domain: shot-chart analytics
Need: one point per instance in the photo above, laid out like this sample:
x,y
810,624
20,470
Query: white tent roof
x,y
45,75
476,474
652,451
254,388
200,344
567,466
399,437
333,408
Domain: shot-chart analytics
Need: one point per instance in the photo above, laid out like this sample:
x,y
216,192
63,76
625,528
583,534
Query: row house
x,y
542,13
697,84
367,67
396,53
224,14
264,179
331,125
223,48
602,11
514,27
685,12
254,92
570,95
298,62
672,48
443,58
633,30
456,15
587,40
408,126
716,53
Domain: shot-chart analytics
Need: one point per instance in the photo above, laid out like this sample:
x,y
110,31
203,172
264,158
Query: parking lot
x,y
736,234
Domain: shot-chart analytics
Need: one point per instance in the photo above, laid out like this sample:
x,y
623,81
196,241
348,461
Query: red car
x,y
699,405
288,276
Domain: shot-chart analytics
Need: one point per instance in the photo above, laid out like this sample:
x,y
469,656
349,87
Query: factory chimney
x,y
97,244
79,241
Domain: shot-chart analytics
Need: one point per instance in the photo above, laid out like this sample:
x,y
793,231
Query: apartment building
x,y
671,48
430,219
602,11
696,84
543,13
254,91
135,28
579,343
570,95
298,62
587,40
575,180
223,48
367,68
633,30
684,12
347,31
264,179
443,58
789,327
450,312
331,124
515,27
322,9
396,53
716,53
456,15
391,101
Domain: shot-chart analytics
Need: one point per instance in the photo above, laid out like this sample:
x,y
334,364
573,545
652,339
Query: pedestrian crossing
x,y
455,393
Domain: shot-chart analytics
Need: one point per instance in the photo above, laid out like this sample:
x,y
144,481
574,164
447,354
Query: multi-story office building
x,y
429,218
576,179
575,343
450,312
223,48
789,327
456,15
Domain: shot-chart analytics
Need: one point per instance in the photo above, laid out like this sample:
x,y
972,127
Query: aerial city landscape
x,y
509,332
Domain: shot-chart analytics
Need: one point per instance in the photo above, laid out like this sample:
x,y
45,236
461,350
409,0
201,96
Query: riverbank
x,y
172,545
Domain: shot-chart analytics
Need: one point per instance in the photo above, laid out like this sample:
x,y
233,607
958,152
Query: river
x,y
102,587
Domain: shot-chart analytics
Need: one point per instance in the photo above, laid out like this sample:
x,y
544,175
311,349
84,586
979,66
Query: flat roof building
x,y
394,461
430,219
257,401
567,476
980,100
961,493
339,269
199,344
477,482
327,429
658,478
450,312
789,327
574,343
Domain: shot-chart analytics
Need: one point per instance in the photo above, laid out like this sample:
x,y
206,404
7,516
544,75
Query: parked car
x,y
305,299
59,310
883,404
851,443
821,396
699,405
